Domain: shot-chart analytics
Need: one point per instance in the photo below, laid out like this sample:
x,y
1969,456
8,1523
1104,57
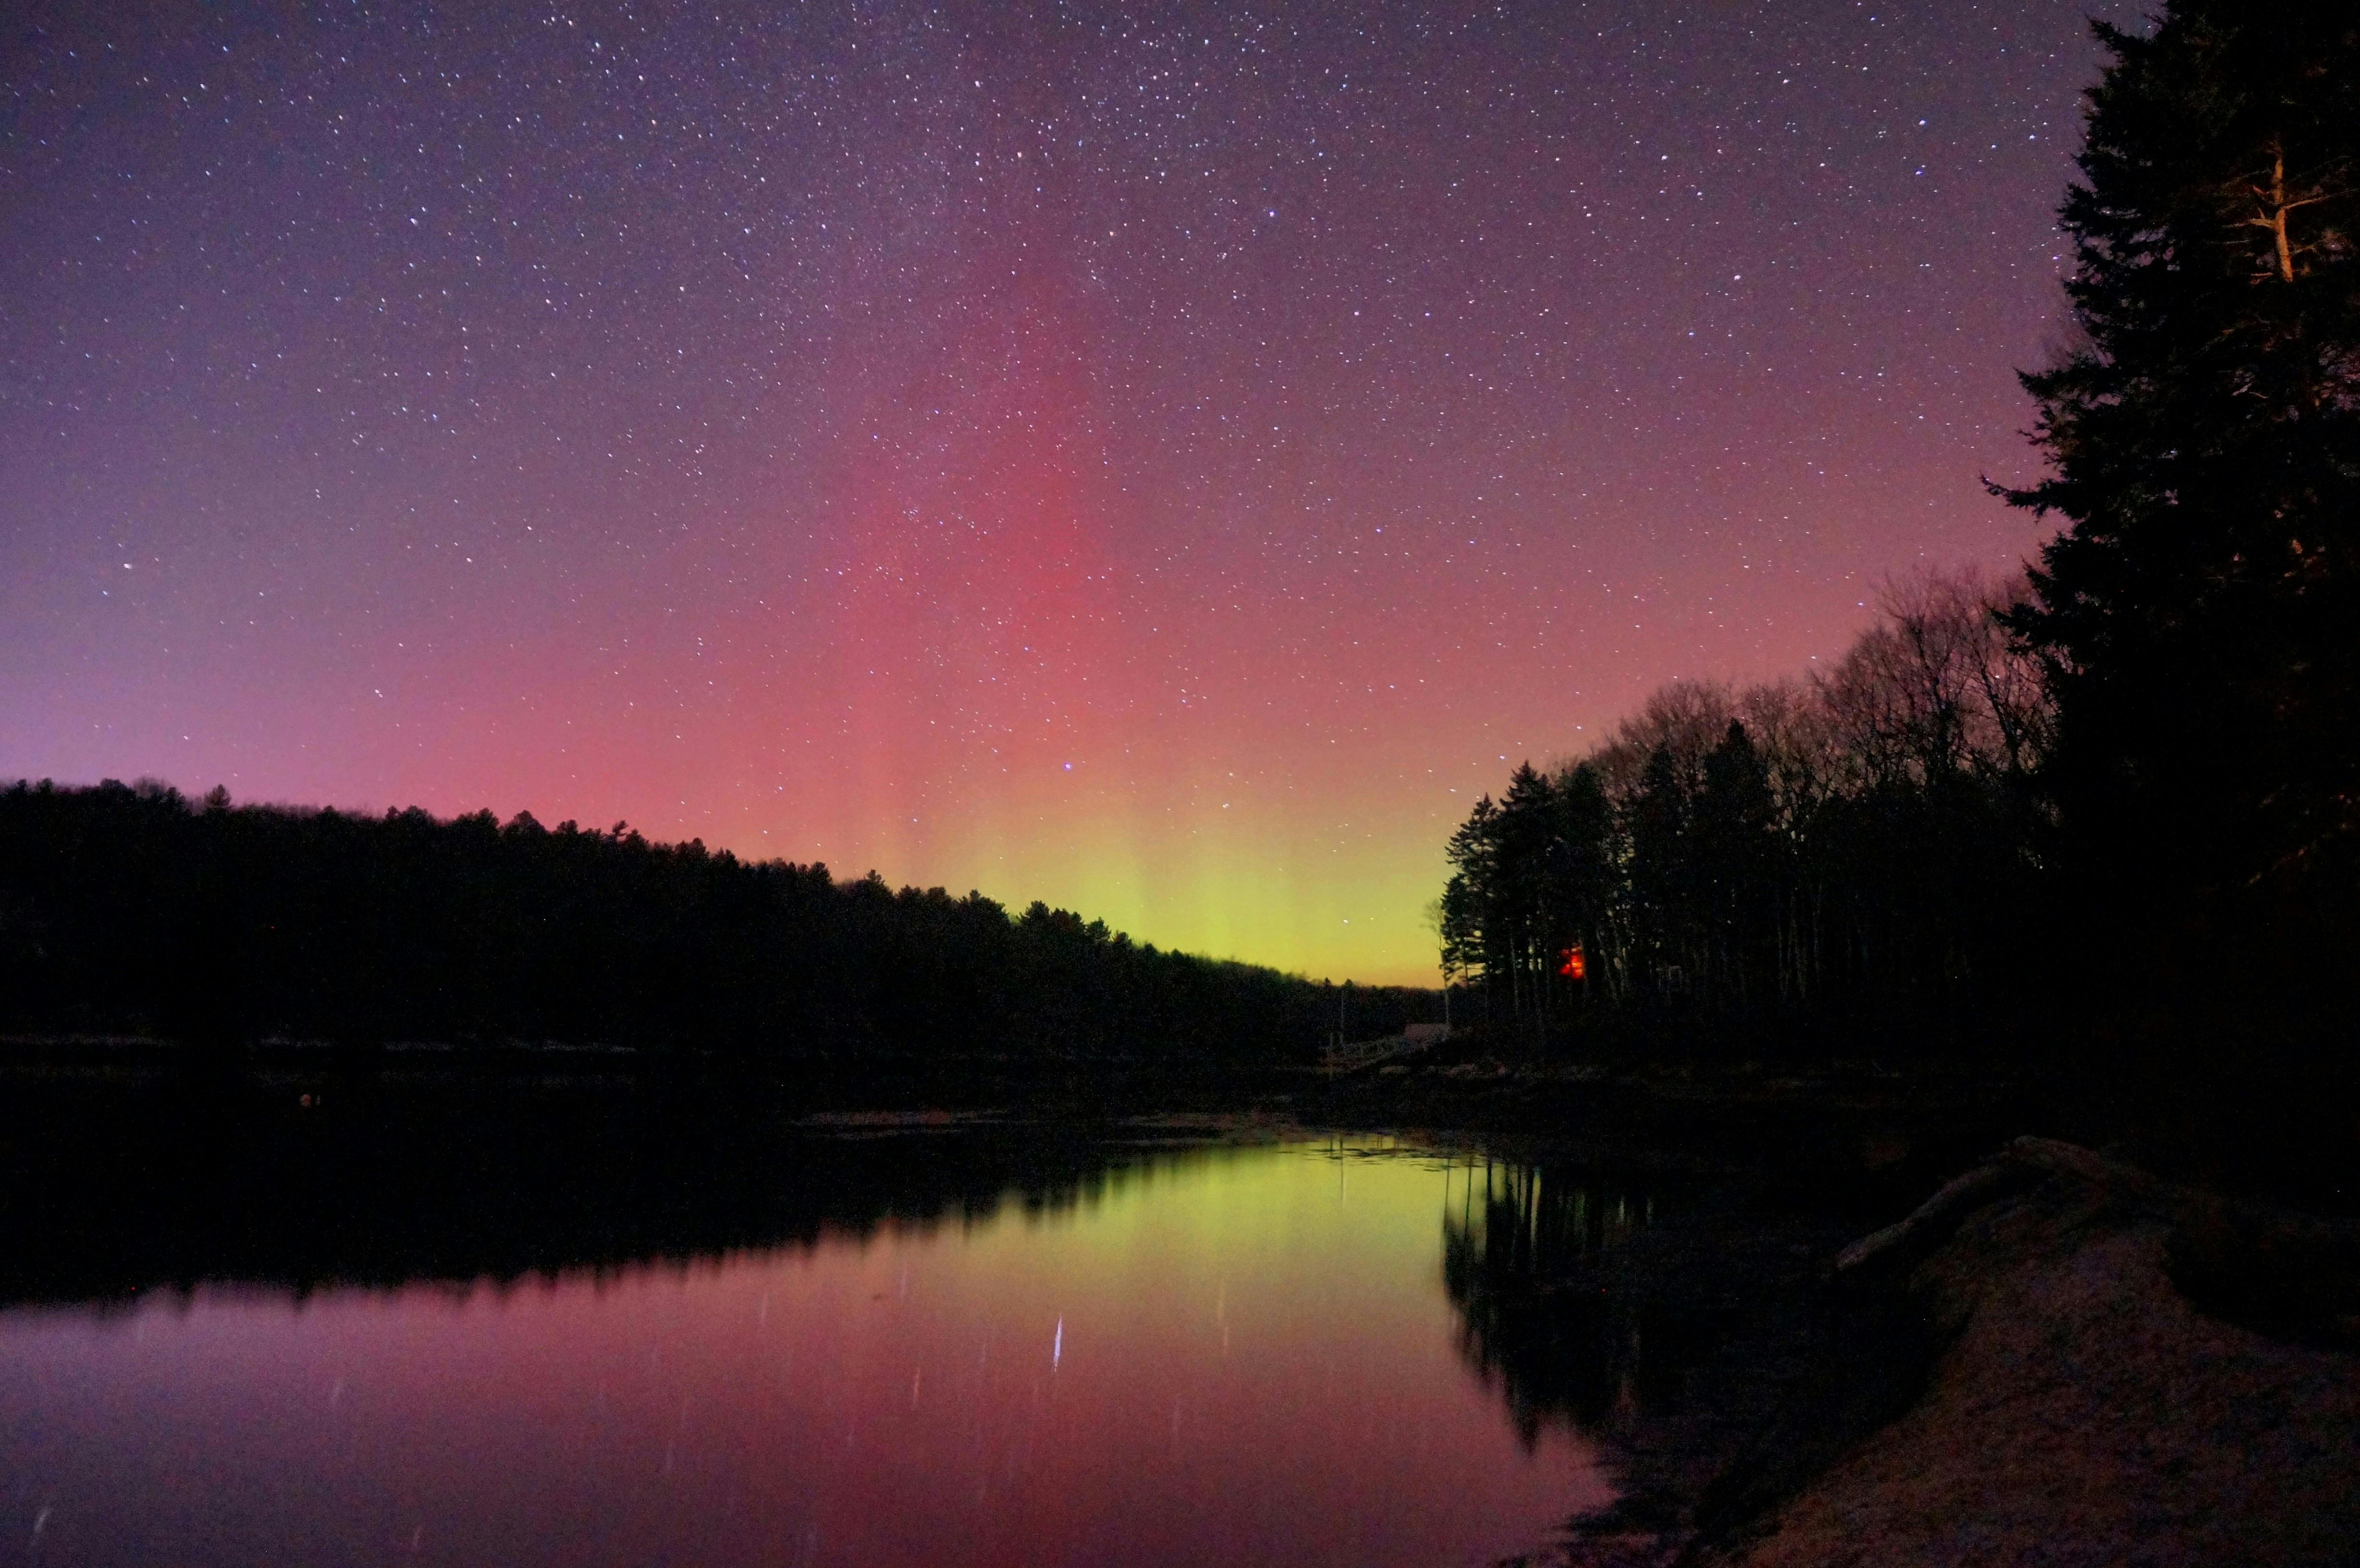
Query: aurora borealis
x,y
1166,461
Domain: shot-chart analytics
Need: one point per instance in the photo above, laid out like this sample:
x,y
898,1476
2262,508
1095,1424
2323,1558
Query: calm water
x,y
1238,1355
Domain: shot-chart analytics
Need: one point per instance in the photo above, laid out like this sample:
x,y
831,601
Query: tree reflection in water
x,y
1551,1311
110,1194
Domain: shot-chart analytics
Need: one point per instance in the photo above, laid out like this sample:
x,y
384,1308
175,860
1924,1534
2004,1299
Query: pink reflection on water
x,y
1244,1356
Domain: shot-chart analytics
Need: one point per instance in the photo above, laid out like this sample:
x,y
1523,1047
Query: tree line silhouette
x,y
132,909
1850,850
2120,796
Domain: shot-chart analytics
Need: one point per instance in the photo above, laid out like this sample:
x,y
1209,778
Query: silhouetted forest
x,y
1849,851
131,909
2119,799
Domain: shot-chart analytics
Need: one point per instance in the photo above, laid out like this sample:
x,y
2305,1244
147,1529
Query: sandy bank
x,y
2080,1407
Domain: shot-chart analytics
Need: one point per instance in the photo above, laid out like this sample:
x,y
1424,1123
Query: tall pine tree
x,y
2200,612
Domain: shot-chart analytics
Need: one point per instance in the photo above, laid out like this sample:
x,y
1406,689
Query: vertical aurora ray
x,y
813,435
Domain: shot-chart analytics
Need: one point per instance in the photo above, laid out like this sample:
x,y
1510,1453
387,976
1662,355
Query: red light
x,y
1572,964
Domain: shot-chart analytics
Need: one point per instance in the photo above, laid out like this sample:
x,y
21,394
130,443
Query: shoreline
x,y
1843,1368
2104,1377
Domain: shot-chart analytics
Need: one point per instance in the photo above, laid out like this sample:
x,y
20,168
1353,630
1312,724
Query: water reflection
x,y
1554,1310
134,1194
877,1344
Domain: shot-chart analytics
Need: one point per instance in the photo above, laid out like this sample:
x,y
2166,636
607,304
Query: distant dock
x,y
1342,1057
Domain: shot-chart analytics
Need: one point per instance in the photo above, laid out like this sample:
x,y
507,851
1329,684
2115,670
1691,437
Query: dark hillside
x,y
129,910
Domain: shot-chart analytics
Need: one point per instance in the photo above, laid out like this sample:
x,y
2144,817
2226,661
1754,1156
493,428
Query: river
x,y
1138,1350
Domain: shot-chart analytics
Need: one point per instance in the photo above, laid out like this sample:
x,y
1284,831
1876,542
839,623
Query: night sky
x,y
1166,461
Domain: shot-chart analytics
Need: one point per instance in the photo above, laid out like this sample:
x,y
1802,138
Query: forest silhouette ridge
x,y
130,909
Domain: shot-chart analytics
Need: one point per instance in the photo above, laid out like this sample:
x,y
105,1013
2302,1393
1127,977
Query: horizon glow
x,y
1169,471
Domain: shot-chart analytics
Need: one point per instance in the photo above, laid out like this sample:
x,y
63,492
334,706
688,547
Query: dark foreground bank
x,y
2059,1356
2107,1368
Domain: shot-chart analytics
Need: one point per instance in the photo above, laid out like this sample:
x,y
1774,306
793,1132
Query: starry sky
x,y
1165,460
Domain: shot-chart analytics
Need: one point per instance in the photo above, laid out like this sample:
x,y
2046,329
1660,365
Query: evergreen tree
x,y
1527,847
1657,823
1736,852
1585,876
2198,611
1472,938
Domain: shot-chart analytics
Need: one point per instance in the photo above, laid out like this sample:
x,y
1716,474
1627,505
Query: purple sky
x,y
1165,462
